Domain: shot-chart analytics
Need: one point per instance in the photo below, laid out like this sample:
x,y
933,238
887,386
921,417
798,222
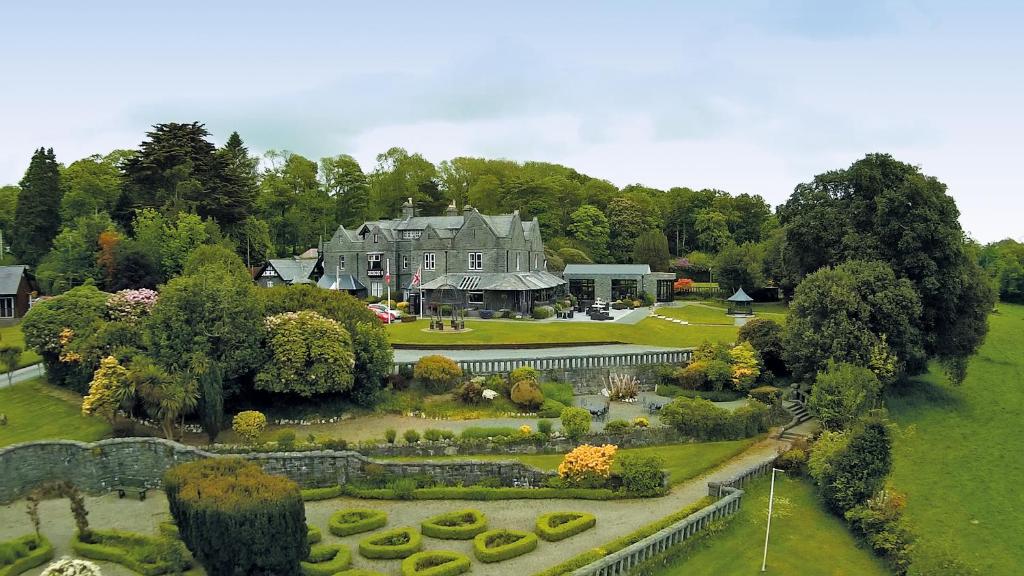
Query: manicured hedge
x,y
169,529
435,563
31,552
326,493
359,572
326,560
389,544
561,525
488,546
313,535
355,520
486,494
132,551
460,525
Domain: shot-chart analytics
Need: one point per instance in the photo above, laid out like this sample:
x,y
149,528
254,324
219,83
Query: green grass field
x,y
650,331
960,456
13,335
683,461
805,539
697,313
38,411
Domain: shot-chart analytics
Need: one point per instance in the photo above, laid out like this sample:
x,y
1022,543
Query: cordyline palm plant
x,y
167,397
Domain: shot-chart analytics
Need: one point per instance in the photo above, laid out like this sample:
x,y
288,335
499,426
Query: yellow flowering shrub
x,y
525,430
641,422
249,425
588,465
109,387
745,366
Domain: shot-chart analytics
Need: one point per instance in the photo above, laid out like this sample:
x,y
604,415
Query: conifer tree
x,y
37,217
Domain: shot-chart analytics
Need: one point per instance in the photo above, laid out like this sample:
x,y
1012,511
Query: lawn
x,y
36,411
805,539
775,310
960,456
12,335
683,461
650,331
697,314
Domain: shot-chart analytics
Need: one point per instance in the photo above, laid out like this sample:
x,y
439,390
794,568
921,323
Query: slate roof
x,y
511,281
294,270
347,282
444,226
10,278
607,269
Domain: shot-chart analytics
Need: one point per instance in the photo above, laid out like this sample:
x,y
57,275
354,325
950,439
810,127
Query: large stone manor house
x,y
494,262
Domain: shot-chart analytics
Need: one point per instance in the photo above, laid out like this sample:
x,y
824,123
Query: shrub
x,y
749,420
623,386
437,373
432,434
793,460
460,525
560,391
766,337
588,466
335,444
147,555
695,417
356,520
488,432
209,499
694,376
499,545
313,534
285,439
556,526
471,392
435,563
390,435
498,383
403,488
641,422
641,475
550,408
543,312
575,422
544,426
527,394
858,470
249,425
745,366
391,544
842,393
767,394
719,374
617,426
326,560
880,522
524,373
411,436
22,553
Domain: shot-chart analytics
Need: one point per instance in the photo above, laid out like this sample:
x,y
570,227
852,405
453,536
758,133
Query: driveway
x,y
23,374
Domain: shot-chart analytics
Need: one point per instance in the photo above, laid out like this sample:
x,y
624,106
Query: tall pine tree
x,y
37,217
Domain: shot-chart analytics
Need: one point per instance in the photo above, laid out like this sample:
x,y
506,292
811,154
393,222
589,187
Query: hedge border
x,y
480,493
326,560
457,564
581,523
431,528
122,556
313,535
169,529
374,519
527,543
325,493
382,552
359,572
42,553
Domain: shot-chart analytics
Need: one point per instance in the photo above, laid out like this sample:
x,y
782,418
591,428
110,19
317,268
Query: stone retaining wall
x,y
97,467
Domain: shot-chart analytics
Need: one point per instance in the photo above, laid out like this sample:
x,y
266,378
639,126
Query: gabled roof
x,y
514,281
437,222
10,278
607,269
294,270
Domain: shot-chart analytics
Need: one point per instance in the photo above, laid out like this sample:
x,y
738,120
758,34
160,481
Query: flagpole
x,y
388,278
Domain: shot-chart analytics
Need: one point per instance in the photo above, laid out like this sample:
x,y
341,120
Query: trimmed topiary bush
x,y
326,560
325,493
363,571
524,373
390,544
209,500
526,393
147,555
439,374
435,563
313,535
575,422
641,474
22,553
356,520
411,436
499,545
460,525
557,526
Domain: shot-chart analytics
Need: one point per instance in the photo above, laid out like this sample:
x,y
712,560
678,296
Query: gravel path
x,y
614,519
23,374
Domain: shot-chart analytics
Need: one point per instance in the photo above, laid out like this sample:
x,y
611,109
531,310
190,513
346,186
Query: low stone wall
x,y
98,467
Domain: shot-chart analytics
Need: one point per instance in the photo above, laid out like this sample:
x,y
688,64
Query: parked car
x,y
384,312
385,318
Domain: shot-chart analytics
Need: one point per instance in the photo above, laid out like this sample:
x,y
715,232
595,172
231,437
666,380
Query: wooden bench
x,y
133,486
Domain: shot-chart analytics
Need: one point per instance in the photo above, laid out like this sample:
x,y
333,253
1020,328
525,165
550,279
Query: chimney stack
x,y
451,210
408,209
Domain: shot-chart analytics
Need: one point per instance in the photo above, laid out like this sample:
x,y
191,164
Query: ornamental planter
x,y
499,545
561,525
460,525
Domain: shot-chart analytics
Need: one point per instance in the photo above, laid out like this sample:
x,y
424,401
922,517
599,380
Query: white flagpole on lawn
x,y
768,528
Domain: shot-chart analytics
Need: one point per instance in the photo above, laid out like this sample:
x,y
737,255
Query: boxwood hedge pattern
x,y
557,526
502,544
390,544
313,534
326,560
29,552
147,555
435,563
355,520
359,572
458,525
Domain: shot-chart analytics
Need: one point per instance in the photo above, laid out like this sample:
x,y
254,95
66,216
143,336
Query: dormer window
x,y
411,234
376,238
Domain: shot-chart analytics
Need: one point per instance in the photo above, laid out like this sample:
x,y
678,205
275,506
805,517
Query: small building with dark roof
x,y
288,271
610,282
16,287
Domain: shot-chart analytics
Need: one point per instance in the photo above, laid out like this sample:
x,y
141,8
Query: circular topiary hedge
x,y
459,525
390,544
237,519
498,545
355,520
326,560
435,563
557,526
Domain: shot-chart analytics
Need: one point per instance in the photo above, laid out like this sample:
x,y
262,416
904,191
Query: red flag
x,y
416,279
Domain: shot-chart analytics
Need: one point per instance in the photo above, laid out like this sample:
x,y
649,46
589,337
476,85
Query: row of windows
x,y
476,261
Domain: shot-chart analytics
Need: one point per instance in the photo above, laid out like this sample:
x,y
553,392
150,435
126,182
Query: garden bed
x,y
500,545
326,560
355,521
391,544
147,555
435,563
23,553
460,525
557,526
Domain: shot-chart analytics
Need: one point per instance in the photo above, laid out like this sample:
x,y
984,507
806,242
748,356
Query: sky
x,y
743,96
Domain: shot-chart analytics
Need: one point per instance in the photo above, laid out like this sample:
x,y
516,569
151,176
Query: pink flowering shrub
x,y
130,305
